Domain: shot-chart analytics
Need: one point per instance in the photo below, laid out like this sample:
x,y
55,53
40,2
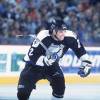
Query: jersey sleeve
x,y
75,44
36,50
77,47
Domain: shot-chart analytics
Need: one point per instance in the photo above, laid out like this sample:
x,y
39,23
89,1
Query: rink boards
x,y
69,78
11,59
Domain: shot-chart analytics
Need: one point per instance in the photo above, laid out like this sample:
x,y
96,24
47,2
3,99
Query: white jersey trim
x,y
40,61
69,33
42,34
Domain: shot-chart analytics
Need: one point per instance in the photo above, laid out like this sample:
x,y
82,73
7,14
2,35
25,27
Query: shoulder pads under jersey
x,y
69,33
43,34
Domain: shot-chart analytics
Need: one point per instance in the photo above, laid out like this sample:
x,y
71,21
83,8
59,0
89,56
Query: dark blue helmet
x,y
56,24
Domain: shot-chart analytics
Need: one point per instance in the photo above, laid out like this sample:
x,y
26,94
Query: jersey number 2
x,y
31,51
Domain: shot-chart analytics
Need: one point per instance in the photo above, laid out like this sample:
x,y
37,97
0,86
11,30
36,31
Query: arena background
x,y
25,17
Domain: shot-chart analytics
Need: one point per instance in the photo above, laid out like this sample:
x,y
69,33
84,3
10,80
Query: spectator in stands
x,y
80,16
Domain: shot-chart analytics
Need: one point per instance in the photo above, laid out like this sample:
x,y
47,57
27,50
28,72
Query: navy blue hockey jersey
x,y
37,54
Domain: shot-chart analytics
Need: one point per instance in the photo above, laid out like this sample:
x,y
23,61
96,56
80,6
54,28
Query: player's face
x,y
60,35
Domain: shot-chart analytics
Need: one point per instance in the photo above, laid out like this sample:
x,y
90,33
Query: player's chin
x,y
61,39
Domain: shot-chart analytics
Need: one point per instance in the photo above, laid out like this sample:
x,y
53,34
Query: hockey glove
x,y
85,69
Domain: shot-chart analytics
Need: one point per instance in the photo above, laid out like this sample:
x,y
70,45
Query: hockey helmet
x,y
56,24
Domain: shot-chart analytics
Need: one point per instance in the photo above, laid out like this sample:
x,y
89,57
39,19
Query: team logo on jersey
x,y
56,50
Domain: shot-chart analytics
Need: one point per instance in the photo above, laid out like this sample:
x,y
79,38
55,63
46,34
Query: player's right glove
x,y
85,69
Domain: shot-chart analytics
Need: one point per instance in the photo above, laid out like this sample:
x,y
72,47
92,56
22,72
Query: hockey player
x,y
42,60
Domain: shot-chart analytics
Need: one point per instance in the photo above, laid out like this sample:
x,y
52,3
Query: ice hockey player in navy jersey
x,y
42,60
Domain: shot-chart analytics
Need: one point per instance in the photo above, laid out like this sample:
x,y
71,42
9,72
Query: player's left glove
x,y
85,69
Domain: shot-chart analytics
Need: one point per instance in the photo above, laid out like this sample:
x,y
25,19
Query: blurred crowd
x,y
24,17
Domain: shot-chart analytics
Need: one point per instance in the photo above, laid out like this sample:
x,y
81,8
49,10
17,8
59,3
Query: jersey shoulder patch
x,y
43,34
40,36
69,33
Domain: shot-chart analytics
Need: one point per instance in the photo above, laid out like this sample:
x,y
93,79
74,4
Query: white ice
x,y
43,92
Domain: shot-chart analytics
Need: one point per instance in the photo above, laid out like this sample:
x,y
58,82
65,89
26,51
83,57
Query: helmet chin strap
x,y
55,37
